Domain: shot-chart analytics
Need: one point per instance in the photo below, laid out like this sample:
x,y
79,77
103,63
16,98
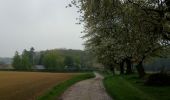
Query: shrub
x,y
159,79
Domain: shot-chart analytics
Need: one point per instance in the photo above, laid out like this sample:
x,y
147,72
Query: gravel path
x,y
91,89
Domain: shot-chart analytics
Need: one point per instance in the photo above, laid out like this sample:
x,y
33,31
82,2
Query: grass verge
x,y
132,88
56,91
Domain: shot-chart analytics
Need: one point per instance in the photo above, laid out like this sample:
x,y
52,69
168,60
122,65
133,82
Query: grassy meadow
x,y
130,87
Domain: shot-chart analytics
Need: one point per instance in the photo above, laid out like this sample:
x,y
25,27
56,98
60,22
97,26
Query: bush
x,y
159,79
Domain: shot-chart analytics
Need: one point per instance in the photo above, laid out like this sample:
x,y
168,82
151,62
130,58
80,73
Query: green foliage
x,y
68,61
17,62
53,61
116,30
24,61
31,55
56,91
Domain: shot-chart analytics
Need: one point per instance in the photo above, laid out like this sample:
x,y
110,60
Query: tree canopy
x,y
124,30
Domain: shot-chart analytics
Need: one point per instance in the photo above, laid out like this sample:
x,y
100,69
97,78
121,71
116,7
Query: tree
x,y
22,62
32,55
53,61
68,61
121,31
26,64
158,14
17,61
25,60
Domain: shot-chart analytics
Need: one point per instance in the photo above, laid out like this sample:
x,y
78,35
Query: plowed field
x,y
28,85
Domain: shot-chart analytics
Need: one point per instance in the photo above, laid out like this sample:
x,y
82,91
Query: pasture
x,y
29,85
130,87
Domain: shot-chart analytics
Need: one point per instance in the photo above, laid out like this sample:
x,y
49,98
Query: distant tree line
x,y
53,60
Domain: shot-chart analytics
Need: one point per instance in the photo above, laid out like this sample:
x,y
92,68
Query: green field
x,y
132,88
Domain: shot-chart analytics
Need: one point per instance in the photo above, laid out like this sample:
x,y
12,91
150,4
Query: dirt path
x,y
91,89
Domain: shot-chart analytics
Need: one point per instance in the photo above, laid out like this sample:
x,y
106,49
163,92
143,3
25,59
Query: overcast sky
x,y
43,24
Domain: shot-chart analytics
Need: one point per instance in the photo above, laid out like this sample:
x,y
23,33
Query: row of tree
x,y
63,59
25,61
53,60
125,31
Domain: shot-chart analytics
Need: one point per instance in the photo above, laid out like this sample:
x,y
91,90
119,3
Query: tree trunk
x,y
112,69
140,69
129,66
122,67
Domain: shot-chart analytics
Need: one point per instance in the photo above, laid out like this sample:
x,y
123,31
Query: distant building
x,y
39,67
